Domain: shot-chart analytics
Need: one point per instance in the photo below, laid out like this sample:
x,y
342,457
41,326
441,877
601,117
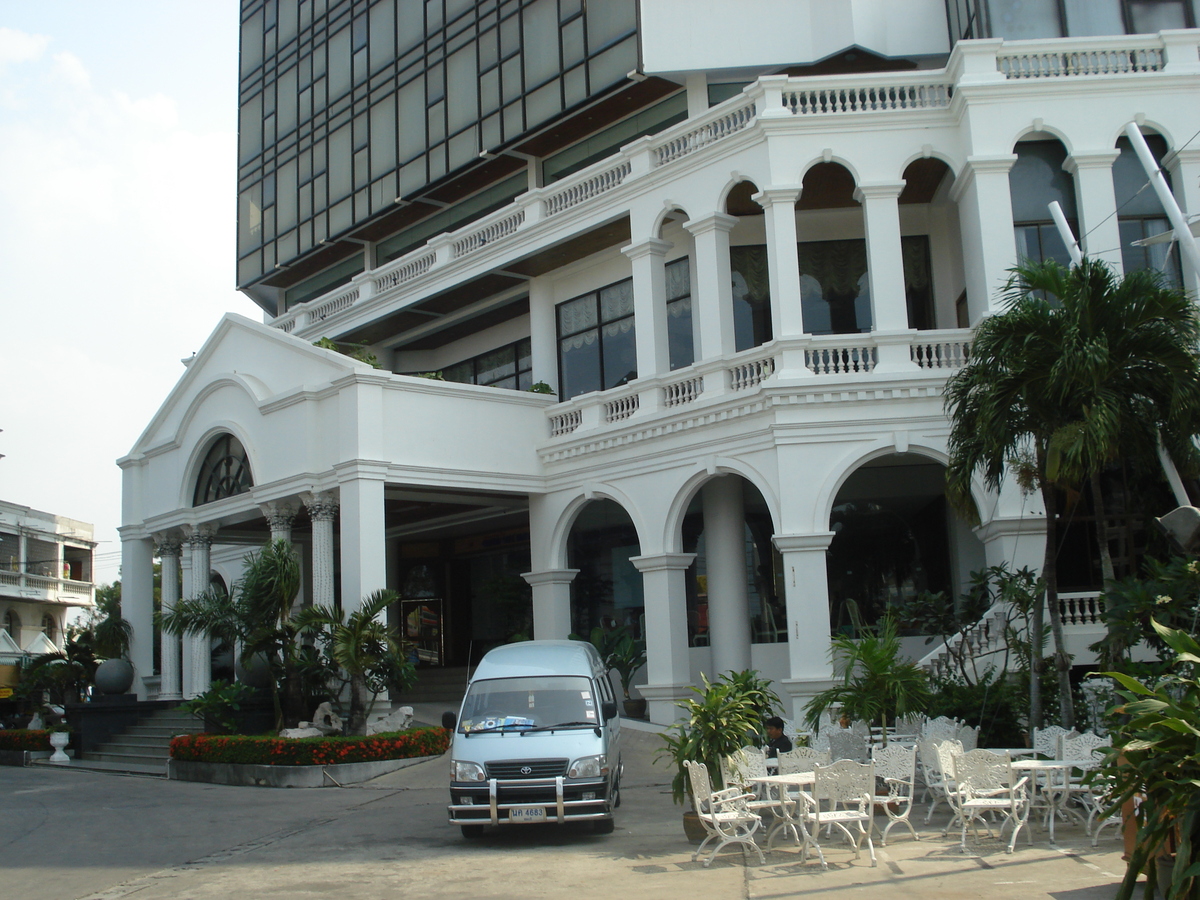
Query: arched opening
x,y
607,592
835,296
1036,179
50,628
12,626
934,282
225,471
895,537
748,267
680,274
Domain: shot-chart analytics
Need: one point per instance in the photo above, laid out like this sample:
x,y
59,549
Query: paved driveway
x,y
67,835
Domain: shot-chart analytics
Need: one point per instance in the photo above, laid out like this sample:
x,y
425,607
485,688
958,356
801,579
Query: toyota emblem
x,y
526,770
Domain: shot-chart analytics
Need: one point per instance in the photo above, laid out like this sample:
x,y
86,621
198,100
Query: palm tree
x,y
876,684
257,617
1081,368
363,647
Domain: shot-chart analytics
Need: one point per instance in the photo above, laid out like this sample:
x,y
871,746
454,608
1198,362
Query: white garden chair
x,y
896,764
939,775
842,798
1092,795
724,814
986,783
1045,740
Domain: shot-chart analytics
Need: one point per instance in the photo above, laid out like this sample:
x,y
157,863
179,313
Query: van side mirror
x,y
449,720
608,709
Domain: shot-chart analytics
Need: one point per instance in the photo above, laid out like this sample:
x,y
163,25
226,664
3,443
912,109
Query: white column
x,y
783,263
1184,166
322,508
543,332
806,589
885,275
201,540
668,667
712,294
725,565
280,517
363,547
137,605
170,686
650,305
1097,202
551,602
985,219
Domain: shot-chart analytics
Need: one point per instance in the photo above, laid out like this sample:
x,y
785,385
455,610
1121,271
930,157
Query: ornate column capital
x,y
322,506
781,194
712,222
648,247
199,535
167,543
279,514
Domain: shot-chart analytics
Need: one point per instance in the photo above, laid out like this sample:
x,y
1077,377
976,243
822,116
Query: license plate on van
x,y
527,814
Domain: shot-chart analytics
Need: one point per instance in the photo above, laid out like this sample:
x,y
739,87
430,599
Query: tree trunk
x,y
358,705
1062,662
1111,655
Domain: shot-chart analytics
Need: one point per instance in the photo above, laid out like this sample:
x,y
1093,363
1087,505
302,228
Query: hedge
x,y
24,739
315,751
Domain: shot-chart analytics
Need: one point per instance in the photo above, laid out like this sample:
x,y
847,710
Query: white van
x,y
537,739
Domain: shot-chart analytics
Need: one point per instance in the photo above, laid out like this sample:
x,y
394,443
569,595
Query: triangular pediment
x,y
39,645
260,361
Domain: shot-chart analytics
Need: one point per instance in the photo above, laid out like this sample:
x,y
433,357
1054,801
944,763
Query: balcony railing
x,y
838,357
891,93
43,588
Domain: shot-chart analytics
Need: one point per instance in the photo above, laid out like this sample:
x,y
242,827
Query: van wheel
x,y
604,826
472,831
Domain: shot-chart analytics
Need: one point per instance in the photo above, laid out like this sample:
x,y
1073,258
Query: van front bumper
x,y
507,801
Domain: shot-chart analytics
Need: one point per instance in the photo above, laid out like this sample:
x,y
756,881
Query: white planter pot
x,y
59,740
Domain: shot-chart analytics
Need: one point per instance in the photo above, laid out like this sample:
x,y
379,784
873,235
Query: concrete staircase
x,y
141,749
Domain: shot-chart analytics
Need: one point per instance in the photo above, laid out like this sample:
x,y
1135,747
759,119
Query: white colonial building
x,y
45,571
741,253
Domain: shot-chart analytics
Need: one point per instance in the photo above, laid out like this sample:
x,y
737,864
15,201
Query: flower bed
x,y
317,751
34,739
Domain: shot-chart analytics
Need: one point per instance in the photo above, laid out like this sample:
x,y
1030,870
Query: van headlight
x,y
461,770
589,767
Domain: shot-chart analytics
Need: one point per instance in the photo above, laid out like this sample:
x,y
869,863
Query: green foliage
x,y
1082,367
1156,757
540,387
619,650
362,647
876,685
724,716
361,351
219,705
996,706
61,677
317,751
111,633
256,615
1169,594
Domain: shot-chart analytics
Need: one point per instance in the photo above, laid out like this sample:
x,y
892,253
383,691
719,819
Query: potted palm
x,y
627,658
877,685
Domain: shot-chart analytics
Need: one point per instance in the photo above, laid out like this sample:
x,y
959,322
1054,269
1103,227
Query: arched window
x,y
12,624
50,628
224,473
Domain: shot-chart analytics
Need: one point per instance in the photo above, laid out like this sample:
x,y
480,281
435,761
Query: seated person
x,y
777,741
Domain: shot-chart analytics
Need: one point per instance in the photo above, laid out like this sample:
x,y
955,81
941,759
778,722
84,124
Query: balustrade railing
x,y
328,308
590,187
621,408
565,423
731,123
868,98
411,269
751,373
844,360
1081,608
941,354
682,392
488,234
1098,61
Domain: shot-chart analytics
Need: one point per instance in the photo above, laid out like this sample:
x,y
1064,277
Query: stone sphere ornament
x,y
114,676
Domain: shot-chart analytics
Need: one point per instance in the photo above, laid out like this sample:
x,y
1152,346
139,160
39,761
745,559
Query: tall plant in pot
x,y
724,716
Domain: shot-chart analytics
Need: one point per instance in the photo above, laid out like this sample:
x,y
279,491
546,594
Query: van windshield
x,y
517,704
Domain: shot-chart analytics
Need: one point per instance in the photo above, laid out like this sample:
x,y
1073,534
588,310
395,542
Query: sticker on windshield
x,y
586,695
496,722
590,713
588,703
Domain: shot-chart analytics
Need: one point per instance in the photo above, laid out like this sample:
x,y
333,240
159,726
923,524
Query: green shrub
x,y
316,751
25,739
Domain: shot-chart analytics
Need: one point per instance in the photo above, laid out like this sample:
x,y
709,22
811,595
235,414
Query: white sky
x,y
118,122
